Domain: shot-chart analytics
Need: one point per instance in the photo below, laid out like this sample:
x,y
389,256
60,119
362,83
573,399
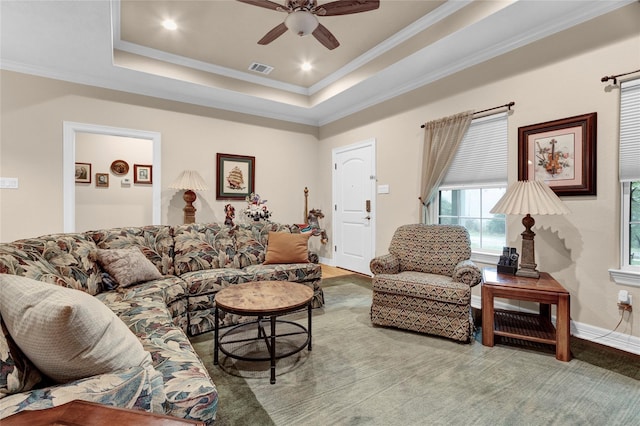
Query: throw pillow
x,y
66,333
283,247
128,266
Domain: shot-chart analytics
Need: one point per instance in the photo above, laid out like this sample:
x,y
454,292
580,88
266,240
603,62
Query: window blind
x,y
630,131
481,159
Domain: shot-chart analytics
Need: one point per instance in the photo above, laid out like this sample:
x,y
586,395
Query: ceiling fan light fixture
x,y
301,22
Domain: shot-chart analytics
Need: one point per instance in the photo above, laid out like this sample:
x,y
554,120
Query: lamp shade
x,y
530,197
301,22
190,179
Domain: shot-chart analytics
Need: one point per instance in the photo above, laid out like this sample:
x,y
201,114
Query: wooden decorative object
x,y
189,211
120,167
306,205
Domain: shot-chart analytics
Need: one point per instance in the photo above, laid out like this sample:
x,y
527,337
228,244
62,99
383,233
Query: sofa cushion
x,y
200,246
66,333
434,249
297,272
128,266
17,374
213,280
251,245
423,286
284,247
140,388
171,290
189,390
154,241
64,259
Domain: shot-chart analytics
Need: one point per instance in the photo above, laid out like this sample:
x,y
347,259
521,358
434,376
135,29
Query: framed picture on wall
x,y
142,173
561,153
83,172
235,176
102,180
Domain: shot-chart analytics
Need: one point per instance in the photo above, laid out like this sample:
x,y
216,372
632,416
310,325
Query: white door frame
x,y
69,131
334,232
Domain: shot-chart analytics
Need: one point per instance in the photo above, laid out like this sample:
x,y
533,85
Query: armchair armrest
x,y
467,272
386,264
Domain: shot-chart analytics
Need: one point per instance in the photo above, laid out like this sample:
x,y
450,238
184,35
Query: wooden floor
x,y
332,271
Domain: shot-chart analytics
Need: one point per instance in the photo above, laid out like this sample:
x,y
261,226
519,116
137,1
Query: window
x,y
470,208
631,210
629,170
475,181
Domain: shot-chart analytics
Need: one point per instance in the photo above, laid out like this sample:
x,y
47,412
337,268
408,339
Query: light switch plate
x,y
383,189
9,183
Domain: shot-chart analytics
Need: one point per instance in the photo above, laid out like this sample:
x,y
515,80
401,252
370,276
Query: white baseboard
x,y
326,261
588,332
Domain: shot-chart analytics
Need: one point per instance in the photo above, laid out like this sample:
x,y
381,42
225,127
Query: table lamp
x,y
189,180
529,197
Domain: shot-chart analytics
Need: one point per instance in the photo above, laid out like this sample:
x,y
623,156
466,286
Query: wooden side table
x,y
526,326
86,413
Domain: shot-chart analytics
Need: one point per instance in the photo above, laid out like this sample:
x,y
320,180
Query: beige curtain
x,y
441,140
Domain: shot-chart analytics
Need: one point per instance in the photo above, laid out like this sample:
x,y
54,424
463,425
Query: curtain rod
x,y
615,77
508,106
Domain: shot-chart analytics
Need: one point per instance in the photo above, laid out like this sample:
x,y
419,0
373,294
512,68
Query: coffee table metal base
x,y
262,329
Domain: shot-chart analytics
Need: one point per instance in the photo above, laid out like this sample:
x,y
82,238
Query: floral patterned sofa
x,y
193,262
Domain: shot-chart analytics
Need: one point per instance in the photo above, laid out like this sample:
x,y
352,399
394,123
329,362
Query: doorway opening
x,y
72,133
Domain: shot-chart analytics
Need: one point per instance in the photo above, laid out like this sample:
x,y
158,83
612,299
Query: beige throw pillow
x,y
66,333
284,247
128,266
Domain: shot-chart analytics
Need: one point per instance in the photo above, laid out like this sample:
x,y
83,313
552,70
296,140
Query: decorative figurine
x,y
230,214
313,225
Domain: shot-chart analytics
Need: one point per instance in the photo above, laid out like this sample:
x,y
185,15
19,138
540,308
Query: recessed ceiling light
x,y
169,24
306,66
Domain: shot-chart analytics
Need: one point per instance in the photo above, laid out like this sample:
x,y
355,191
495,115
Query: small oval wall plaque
x,y
120,167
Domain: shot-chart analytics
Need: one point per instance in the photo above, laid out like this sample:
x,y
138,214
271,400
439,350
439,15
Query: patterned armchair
x,y
424,283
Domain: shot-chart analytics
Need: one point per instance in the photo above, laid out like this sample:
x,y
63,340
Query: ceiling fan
x,y
301,17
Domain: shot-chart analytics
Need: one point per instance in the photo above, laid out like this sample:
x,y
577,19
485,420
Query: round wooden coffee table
x,y
262,299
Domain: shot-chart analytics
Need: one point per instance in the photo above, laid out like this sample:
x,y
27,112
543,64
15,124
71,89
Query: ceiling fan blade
x,y
324,36
263,3
276,32
346,7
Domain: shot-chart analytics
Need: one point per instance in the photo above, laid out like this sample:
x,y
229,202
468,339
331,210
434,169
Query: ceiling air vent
x,y
260,68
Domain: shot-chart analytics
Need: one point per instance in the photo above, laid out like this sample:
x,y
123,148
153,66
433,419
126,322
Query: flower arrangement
x,y
256,207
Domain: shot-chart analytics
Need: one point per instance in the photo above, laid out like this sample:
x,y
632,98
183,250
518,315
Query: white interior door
x,y
354,206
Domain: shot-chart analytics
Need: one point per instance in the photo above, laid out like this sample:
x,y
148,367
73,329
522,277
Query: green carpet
x,y
358,374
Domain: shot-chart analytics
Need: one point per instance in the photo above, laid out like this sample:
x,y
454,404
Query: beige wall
x,y
33,112
117,205
552,79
